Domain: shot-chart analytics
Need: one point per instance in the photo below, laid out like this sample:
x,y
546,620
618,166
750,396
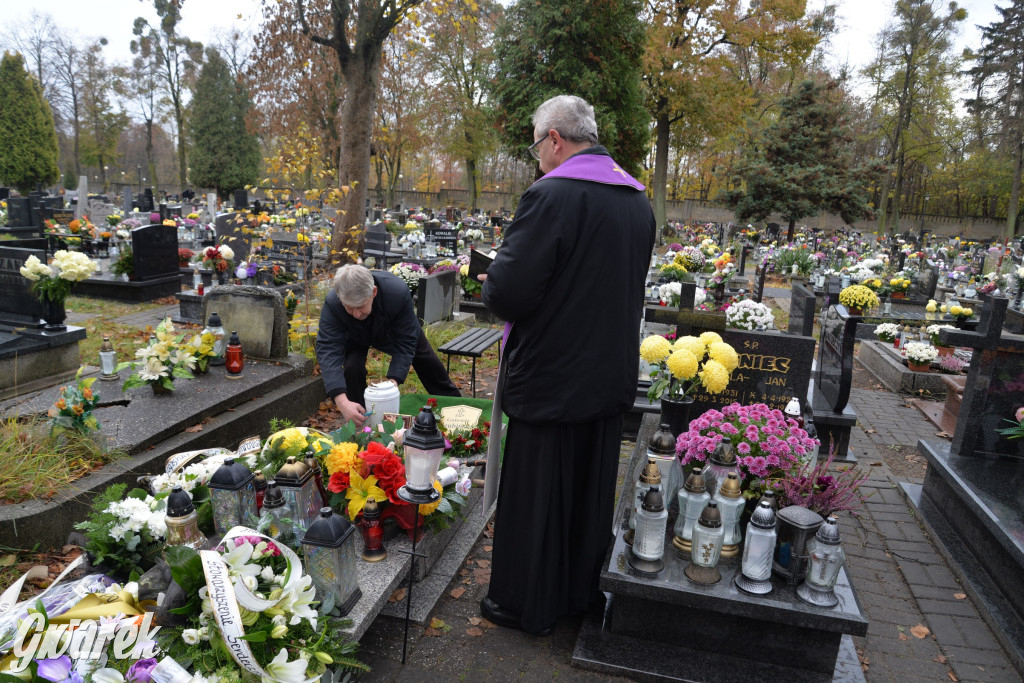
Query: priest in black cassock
x,y
569,279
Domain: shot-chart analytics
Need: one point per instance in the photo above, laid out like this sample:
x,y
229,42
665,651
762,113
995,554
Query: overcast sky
x,y
859,21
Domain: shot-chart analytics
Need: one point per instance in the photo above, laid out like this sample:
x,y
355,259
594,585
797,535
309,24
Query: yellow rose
x,y
655,348
682,364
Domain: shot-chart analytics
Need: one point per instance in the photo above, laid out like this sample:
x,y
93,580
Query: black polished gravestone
x,y
19,212
233,230
746,249
155,248
443,237
801,311
833,377
759,275
971,499
63,216
18,305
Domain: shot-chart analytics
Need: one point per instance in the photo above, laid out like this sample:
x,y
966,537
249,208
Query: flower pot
x,y
675,412
898,295
855,311
54,315
918,367
160,389
944,350
720,295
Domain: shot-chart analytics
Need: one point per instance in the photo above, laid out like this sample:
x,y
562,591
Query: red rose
x,y
338,483
432,402
477,434
374,452
390,473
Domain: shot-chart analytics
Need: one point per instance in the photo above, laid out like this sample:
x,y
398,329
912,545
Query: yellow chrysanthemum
x,y
682,364
714,377
691,344
343,457
680,262
724,354
709,338
655,348
291,440
431,507
955,310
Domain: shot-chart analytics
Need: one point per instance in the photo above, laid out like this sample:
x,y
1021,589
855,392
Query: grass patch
x,y
36,463
125,338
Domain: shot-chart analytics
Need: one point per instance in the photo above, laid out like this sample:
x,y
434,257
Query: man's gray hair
x,y
353,284
571,116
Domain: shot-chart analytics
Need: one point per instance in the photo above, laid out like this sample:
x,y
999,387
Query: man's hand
x,y
350,410
482,277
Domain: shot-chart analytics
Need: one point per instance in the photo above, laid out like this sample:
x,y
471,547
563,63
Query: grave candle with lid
x,y
232,495
299,489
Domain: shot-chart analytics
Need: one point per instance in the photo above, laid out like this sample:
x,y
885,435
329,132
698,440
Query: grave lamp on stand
x,y
216,328
707,547
756,568
649,541
299,488
826,559
108,361
649,476
692,499
329,547
232,495
183,521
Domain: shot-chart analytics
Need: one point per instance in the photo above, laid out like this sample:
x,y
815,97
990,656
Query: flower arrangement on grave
x,y
290,303
993,281
932,306
858,297
444,265
748,314
201,346
767,443
217,258
920,353
113,219
709,247
184,257
411,273
125,263
933,333
1018,274
126,532
688,363
724,270
294,441
669,293
414,236
161,361
474,234
690,258
887,332
675,271
961,313
899,285
1017,430
106,235
193,216
471,287
952,365
54,283
73,408
812,485
281,275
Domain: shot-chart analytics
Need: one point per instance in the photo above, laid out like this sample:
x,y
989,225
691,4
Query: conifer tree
x,y
28,139
224,156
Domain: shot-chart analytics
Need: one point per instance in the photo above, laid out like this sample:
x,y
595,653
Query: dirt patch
x,y
904,462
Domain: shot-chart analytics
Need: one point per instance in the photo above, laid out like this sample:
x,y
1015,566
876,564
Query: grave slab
x,y
885,363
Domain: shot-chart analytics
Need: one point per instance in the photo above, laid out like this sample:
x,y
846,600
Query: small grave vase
x,y
159,388
675,412
918,367
54,315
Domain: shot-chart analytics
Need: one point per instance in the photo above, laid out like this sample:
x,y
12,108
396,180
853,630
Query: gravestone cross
x,y
762,270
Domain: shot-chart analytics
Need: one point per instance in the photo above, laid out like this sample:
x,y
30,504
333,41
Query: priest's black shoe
x,y
507,618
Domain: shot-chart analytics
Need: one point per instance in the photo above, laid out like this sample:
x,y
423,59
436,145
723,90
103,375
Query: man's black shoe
x,y
507,618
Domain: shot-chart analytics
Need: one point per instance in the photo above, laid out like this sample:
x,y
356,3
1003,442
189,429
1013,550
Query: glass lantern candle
x,y
183,522
649,541
730,506
299,489
692,499
277,518
330,559
796,526
662,450
720,464
826,557
108,361
313,463
373,532
707,547
756,568
259,485
216,328
649,476
232,495
424,446
234,360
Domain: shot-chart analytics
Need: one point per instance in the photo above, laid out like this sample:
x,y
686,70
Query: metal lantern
x,y
758,547
662,450
707,547
183,522
720,464
424,446
373,532
330,550
730,505
216,328
108,361
692,499
649,541
277,519
232,495
313,463
826,559
797,525
234,359
650,475
299,489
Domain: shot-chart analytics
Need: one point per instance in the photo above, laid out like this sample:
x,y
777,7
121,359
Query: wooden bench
x,y
471,343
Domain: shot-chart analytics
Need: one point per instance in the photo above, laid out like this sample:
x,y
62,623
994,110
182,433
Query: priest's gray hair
x,y
571,116
353,284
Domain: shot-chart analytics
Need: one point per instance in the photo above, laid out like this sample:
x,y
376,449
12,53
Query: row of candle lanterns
x,y
708,528
291,509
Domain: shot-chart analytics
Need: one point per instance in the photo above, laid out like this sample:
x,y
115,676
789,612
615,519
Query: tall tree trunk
x,y
1013,206
357,107
179,118
660,166
897,194
150,162
471,180
792,230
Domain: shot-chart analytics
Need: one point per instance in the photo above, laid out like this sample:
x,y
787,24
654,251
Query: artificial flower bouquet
x,y
217,258
933,333
961,313
161,361
113,219
709,247
73,407
688,363
54,283
748,314
858,297
920,353
887,332
290,442
899,285
411,273
184,257
201,347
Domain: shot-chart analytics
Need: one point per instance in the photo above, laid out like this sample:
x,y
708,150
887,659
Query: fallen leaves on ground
x,y
952,676
944,435
475,621
484,563
432,632
482,576
875,464
194,428
920,631
960,596
904,636
457,592
440,624
397,596
488,548
474,631
941,659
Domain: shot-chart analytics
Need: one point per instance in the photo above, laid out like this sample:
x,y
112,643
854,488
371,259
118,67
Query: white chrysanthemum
x,y
227,252
35,269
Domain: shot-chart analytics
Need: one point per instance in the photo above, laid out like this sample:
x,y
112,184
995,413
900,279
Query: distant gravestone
x,y
746,249
18,214
287,251
18,305
241,198
443,237
435,296
232,230
155,248
801,311
256,313
759,276
63,216
83,196
211,206
835,357
127,201
56,202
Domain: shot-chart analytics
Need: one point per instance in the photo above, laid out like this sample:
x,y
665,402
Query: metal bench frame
x,y
472,343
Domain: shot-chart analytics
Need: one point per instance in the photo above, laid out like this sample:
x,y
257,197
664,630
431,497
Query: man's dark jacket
x,y
570,277
391,327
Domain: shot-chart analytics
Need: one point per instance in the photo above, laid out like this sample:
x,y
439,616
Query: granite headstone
x,y
18,212
835,356
155,248
233,230
63,216
435,297
18,305
801,311
256,313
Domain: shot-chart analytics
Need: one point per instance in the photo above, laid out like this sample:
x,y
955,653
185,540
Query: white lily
x,y
107,675
298,600
237,561
280,669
